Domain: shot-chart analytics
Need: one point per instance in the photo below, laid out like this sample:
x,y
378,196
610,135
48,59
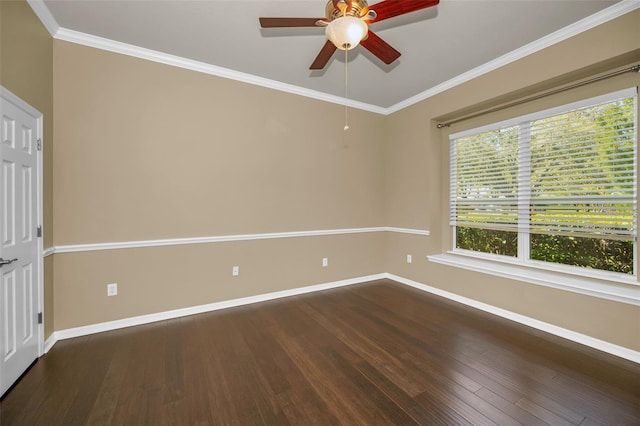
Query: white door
x,y
20,264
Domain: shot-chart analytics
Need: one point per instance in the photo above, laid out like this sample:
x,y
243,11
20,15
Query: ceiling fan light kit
x,y
347,25
346,32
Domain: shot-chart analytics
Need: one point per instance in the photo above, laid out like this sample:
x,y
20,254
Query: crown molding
x,y
89,40
42,12
606,15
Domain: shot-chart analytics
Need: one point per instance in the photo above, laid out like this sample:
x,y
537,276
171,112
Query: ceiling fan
x,y
346,24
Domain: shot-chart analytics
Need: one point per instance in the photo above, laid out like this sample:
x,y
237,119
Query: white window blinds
x,y
566,171
583,171
484,176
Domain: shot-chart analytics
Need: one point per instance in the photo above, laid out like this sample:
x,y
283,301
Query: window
x,y
557,186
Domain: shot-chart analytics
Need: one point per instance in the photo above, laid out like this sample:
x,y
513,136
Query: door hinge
x,y
39,231
39,144
39,317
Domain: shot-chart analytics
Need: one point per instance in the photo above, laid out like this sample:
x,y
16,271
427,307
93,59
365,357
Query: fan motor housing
x,y
358,9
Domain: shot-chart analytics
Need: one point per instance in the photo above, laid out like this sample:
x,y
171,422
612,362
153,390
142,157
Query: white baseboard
x,y
619,351
48,344
162,316
573,336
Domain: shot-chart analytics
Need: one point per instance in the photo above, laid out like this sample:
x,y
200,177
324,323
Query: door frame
x,y
10,97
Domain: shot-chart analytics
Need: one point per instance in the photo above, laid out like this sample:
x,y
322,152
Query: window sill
x,y
620,290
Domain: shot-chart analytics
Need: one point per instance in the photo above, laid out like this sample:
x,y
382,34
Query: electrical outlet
x,y
325,262
236,271
112,289
409,258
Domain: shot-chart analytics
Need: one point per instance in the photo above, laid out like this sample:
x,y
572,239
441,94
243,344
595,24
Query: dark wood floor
x,y
375,353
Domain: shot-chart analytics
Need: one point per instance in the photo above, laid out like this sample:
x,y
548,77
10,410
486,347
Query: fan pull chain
x,y
346,86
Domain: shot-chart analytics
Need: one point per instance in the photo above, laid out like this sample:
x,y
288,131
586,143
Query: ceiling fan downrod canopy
x,y
338,8
346,28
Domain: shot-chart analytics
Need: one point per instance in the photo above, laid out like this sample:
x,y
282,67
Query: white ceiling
x,y
439,45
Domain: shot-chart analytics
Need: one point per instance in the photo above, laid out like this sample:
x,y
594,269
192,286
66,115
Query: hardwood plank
x,y
406,338
374,353
591,422
542,413
364,346
556,407
216,354
62,391
449,412
297,398
106,401
327,387
196,392
461,400
260,341
305,407
247,380
593,403
387,411
512,410
173,362
417,412
136,395
419,343
90,384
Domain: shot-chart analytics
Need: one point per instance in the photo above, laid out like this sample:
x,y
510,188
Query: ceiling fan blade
x,y
390,8
289,22
323,57
383,50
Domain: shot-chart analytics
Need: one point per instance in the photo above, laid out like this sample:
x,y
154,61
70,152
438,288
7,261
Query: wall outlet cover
x,y
112,289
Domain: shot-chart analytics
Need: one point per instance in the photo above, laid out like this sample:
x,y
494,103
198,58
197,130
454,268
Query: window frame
x,y
524,241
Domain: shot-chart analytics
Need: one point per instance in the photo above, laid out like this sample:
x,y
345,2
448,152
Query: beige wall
x,y
158,279
418,181
147,151
26,69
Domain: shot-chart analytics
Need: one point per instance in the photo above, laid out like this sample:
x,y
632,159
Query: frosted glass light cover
x,y
346,32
